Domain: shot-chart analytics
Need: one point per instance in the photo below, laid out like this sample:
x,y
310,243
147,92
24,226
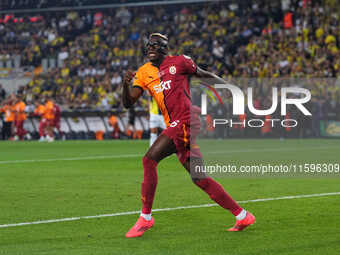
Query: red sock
x,y
218,194
149,184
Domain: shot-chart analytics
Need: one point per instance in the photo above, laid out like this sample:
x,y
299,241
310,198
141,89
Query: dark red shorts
x,y
183,134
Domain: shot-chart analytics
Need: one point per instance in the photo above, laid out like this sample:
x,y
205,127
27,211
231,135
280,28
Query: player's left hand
x,y
128,77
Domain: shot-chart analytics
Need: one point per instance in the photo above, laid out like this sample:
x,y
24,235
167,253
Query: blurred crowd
x,y
37,4
95,48
304,45
34,37
249,39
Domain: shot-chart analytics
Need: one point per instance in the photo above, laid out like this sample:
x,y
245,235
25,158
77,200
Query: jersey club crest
x,y
172,70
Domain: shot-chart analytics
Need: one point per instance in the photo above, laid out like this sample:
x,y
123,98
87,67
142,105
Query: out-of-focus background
x,y
75,53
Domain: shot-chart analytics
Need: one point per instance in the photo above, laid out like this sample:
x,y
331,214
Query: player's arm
x,y
130,95
190,68
211,77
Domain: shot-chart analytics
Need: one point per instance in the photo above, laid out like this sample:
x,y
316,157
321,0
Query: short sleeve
x,y
189,66
138,80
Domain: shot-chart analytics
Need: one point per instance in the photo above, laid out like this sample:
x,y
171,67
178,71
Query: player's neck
x,y
158,62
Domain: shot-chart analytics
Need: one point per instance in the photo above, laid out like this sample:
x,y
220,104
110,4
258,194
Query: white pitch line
x,y
165,209
71,159
140,155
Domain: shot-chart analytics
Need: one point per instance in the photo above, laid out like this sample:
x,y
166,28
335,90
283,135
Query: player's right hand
x,y
128,77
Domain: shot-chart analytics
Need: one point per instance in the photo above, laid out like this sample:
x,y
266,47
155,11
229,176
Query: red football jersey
x,y
169,85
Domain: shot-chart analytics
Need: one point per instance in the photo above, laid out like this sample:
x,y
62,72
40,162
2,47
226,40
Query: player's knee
x,y
147,162
151,154
148,155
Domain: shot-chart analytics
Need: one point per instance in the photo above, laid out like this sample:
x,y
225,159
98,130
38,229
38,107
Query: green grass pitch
x,y
42,181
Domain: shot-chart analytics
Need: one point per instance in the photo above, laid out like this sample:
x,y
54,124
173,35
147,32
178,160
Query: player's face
x,y
153,49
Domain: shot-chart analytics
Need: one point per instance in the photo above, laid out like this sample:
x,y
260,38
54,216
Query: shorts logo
x,y
164,85
174,123
172,69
